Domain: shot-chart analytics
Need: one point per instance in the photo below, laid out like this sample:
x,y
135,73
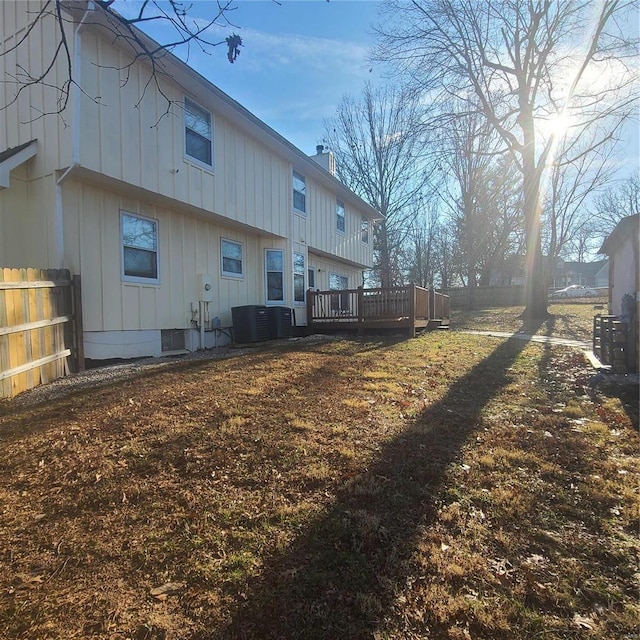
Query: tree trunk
x,y
536,284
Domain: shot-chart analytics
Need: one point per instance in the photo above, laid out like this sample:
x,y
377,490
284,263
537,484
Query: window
x,y
231,253
139,247
340,226
298,277
299,192
197,133
339,303
337,281
364,230
311,275
274,275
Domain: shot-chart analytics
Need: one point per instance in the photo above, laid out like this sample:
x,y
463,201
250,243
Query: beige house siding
x,y
34,114
323,266
28,227
188,246
247,183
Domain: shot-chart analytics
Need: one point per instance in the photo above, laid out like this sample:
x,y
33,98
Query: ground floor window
x,y
231,254
298,277
339,303
336,281
274,274
139,247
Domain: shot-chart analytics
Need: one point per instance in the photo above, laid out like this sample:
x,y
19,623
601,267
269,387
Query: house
x,y
590,274
622,249
172,201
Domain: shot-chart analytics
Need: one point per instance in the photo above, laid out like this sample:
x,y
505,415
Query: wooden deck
x,y
408,307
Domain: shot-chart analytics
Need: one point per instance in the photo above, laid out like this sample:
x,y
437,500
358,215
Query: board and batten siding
x,y
188,246
34,114
248,183
324,266
318,229
28,233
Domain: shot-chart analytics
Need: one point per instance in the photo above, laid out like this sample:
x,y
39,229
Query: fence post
x,y
412,310
78,331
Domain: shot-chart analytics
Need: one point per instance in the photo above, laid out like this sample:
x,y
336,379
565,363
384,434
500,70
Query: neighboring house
x,y
586,273
160,205
621,246
602,276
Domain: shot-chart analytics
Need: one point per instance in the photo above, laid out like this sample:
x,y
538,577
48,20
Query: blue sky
x,y
299,58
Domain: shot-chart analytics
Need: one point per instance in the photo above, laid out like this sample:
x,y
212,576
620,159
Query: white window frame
x,y
365,229
297,174
191,158
156,250
231,274
277,302
298,274
340,206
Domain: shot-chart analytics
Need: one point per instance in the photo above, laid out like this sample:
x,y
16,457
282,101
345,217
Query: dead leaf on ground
x,y
583,623
167,589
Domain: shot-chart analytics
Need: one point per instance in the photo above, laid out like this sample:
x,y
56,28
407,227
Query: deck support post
x,y
360,311
310,303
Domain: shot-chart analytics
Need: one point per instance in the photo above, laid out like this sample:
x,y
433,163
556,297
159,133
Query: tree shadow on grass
x,y
341,575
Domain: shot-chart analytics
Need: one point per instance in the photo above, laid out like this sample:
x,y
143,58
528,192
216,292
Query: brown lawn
x,y
450,486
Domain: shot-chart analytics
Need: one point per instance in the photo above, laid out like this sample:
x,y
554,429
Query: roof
x,y
14,157
585,269
191,81
7,154
627,227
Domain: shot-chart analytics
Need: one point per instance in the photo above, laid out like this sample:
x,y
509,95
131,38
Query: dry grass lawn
x,y
451,486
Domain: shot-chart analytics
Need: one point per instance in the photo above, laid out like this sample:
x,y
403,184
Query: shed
x,y
622,248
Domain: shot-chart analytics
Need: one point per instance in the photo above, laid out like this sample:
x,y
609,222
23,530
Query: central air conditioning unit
x,y
250,323
280,322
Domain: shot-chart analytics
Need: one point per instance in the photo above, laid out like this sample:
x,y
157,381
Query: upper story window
x,y
340,216
139,248
197,133
231,255
299,192
364,229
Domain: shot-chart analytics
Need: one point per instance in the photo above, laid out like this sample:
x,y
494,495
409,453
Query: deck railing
x,y
407,306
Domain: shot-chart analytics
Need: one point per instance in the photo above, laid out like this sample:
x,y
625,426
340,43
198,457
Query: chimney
x,y
325,159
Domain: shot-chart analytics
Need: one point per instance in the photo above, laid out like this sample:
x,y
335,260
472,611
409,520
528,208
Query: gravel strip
x,y
119,372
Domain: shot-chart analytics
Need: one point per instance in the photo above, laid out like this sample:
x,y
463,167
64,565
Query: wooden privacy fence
x,y
40,327
484,297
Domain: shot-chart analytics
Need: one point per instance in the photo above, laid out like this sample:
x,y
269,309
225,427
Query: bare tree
x,y
616,202
478,193
566,194
419,250
528,64
378,149
62,15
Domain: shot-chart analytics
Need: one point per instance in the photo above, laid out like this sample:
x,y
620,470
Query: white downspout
x,y
75,142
